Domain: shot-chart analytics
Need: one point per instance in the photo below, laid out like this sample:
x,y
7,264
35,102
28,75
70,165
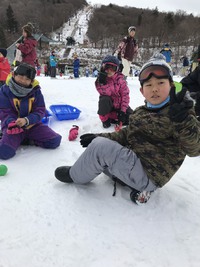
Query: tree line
x,y
45,15
109,24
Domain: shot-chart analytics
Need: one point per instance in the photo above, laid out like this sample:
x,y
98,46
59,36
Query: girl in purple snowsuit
x,y
22,108
114,94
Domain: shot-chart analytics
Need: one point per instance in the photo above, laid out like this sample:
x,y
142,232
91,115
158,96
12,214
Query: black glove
x,y
179,106
120,67
86,139
119,56
122,117
102,77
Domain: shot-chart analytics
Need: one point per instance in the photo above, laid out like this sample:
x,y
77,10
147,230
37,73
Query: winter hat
x,y
27,70
28,28
131,28
111,60
166,45
3,51
163,70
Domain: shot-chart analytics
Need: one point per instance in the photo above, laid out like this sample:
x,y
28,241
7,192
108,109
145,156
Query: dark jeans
x,y
53,72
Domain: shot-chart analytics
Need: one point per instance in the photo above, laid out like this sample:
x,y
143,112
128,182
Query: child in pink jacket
x,y
114,94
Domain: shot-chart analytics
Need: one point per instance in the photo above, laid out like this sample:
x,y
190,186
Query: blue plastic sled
x,y
65,112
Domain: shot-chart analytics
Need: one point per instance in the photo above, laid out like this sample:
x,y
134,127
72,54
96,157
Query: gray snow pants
x,y
105,155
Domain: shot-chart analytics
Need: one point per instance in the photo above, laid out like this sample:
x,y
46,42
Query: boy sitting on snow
x,y
149,151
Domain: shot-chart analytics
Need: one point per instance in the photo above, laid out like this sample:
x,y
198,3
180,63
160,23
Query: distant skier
x,y
167,52
76,65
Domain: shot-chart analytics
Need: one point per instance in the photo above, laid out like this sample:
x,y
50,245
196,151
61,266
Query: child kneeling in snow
x,y
114,94
22,108
150,150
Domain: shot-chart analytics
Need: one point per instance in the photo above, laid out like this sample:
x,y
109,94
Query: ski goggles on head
x,y
110,66
157,71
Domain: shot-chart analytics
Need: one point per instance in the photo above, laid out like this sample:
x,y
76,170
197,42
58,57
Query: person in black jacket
x,y
192,83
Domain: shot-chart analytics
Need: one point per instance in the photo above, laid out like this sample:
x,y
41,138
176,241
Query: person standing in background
x,y
167,53
186,63
76,65
53,64
127,50
28,46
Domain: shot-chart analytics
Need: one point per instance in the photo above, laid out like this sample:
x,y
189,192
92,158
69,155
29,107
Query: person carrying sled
x,y
114,94
127,50
22,108
147,153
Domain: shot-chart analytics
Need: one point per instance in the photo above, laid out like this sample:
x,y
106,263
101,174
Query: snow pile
x,y
45,223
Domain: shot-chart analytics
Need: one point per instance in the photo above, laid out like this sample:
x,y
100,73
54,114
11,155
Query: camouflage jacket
x,y
161,144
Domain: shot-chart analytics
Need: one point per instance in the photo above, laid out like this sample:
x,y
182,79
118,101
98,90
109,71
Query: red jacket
x,y
4,68
28,49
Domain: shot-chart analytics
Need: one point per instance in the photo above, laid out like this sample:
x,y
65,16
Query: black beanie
x,y
25,69
3,51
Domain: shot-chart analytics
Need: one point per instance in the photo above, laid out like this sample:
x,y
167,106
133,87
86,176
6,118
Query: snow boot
x,y
62,174
140,197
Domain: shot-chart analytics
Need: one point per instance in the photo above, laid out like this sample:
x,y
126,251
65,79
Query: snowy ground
x,y
45,223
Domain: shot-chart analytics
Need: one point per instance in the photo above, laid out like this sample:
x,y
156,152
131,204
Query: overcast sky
x,y
191,6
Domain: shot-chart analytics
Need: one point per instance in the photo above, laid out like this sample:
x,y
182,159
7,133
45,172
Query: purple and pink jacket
x,y
116,87
31,106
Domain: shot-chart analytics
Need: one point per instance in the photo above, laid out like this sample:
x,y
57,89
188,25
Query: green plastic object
x,y
3,170
178,86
